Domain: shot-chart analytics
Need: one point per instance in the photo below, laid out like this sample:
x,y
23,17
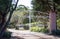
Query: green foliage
x,y
7,34
10,26
21,16
17,28
58,2
56,32
21,12
22,8
26,20
5,4
58,23
40,5
44,30
35,29
26,27
45,5
39,29
13,22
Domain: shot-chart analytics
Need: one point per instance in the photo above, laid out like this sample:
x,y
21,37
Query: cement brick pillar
x,y
52,21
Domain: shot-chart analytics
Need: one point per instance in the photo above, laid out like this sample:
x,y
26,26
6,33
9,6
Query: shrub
x,y
44,30
7,34
26,27
56,32
35,29
58,23
17,28
39,29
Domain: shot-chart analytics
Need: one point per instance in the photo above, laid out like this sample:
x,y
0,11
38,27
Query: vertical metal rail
x,y
29,20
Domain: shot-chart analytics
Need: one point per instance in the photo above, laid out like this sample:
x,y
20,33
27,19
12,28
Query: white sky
x,y
27,3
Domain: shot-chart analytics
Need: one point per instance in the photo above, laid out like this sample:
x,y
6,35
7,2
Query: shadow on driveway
x,y
16,37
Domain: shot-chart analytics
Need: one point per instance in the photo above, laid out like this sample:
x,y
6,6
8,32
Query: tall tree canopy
x,y
50,6
44,5
22,7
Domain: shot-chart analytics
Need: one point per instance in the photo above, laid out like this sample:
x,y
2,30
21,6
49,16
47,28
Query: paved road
x,y
18,34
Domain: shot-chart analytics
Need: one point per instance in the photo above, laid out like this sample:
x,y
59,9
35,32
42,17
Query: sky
x,y
27,3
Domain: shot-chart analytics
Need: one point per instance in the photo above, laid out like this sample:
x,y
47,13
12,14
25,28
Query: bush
x,y
7,34
39,29
10,26
56,32
26,27
35,29
58,23
44,30
17,28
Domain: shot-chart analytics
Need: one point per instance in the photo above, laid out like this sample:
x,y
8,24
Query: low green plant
x,y
17,28
26,27
39,29
7,34
56,32
35,29
44,30
58,24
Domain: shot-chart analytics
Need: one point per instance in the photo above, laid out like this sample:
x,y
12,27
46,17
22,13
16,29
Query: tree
x,y
22,7
23,13
6,7
41,5
49,6
14,21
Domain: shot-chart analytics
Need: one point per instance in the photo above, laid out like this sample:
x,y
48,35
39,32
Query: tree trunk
x,y
52,21
3,20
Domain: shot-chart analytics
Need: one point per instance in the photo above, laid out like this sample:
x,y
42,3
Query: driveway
x,y
26,34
